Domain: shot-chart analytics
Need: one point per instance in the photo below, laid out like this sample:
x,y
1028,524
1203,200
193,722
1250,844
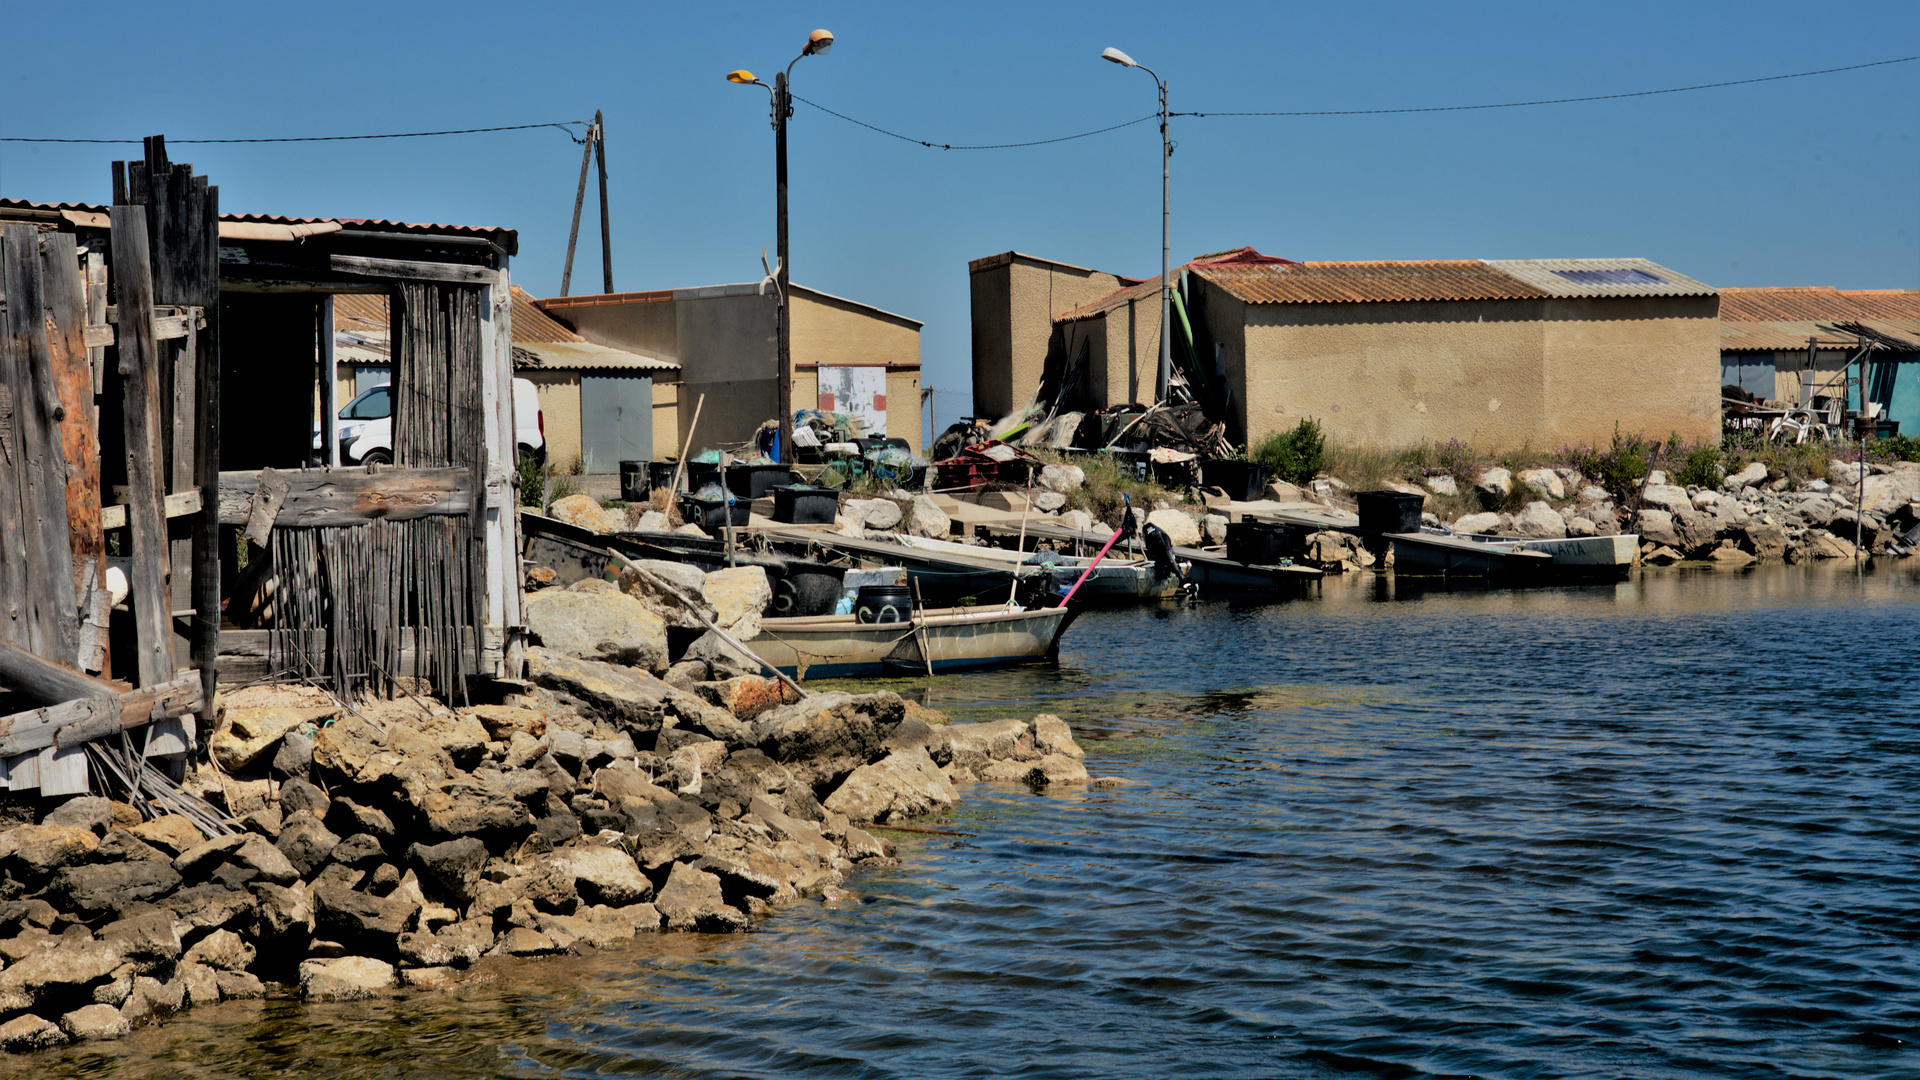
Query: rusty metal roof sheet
x,y
532,324
1601,277
1782,319
585,356
508,239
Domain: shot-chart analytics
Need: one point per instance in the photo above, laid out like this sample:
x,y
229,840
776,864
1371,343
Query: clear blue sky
x,y
1811,181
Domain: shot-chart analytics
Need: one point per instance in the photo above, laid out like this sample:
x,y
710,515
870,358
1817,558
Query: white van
x,y
366,425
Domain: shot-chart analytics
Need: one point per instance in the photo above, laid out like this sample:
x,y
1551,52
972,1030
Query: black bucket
x,y
633,481
807,588
660,473
882,604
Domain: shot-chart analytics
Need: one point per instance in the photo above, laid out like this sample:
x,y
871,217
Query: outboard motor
x,y
1160,550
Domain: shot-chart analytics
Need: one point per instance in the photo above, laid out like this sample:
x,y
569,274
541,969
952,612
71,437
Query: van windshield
x,y
375,404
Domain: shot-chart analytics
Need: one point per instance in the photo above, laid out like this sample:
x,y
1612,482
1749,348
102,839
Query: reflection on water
x,y
1662,827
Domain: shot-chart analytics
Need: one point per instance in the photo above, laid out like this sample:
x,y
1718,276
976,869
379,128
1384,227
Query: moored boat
x,y
935,639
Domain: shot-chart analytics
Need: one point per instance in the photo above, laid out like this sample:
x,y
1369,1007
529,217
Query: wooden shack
x,y
163,368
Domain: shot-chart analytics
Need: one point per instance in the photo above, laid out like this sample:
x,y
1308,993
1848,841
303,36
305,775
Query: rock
x,y
32,853
1698,532
286,915
1656,478
1656,527
93,891
1886,492
1545,481
501,721
1180,526
874,513
239,985
452,867
585,512
348,816
222,950
1062,478
974,745
1477,523
149,942
1666,497
925,518
747,696
864,847
295,756
1539,521
90,812
524,941
173,833
1766,541
1495,482
346,978
693,900
739,594
635,700
1820,544
1048,502
1056,770
1580,526
1754,474
352,748
247,734
1052,736
1443,484
94,1022
211,907
30,1032
655,584
1845,474
357,919
1730,557
361,851
1659,554
201,983
63,972
595,621
423,950
603,875
307,843
828,734
1593,493
905,783
1076,519
1282,491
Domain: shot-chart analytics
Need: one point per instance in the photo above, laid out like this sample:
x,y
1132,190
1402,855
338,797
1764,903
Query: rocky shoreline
x,y
389,847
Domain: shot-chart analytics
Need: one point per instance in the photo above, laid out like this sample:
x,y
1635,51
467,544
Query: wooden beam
x,y
179,504
412,270
46,682
268,496
328,497
71,723
139,367
66,299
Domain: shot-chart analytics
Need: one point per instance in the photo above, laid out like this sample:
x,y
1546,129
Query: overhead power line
x,y
562,125
936,145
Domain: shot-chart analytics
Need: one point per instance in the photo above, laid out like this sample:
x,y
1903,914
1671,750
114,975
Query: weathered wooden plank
x,y
329,387
44,681
15,387
179,504
168,325
328,497
66,300
206,466
139,362
268,496
63,771
23,772
96,314
412,270
75,721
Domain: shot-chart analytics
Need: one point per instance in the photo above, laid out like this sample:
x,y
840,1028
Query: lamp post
x,y
818,43
1166,283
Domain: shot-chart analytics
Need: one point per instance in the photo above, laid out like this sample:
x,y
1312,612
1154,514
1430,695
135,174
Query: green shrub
x,y
1702,468
1621,467
530,478
1296,456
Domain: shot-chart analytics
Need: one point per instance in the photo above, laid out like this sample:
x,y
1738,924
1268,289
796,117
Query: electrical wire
x,y
562,125
1561,101
951,146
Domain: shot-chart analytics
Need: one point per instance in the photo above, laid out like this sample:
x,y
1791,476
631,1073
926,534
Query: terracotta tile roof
x,y
1782,319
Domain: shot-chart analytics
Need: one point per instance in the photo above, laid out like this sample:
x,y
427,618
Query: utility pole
x,y
595,144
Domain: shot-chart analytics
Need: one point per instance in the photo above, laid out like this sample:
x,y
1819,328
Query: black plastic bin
x,y
633,481
712,514
807,588
754,481
1243,481
1260,543
1389,511
660,474
802,505
883,604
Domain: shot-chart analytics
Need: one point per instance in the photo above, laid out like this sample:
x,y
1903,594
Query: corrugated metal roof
x,y
1782,319
585,356
1601,277
1355,282
532,324
508,239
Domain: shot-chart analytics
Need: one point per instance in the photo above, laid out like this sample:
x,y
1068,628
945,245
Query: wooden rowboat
x,y
940,639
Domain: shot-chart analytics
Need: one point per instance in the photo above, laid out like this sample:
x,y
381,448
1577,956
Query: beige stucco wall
x,y
559,393
1496,373
1014,301
666,417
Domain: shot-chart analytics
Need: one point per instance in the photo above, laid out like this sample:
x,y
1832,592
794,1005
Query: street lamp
x,y
818,43
1166,283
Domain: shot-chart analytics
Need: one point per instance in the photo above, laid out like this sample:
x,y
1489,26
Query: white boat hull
x,y
947,639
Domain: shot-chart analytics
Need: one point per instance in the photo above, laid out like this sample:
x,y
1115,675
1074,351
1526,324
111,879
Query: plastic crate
x,y
1260,543
798,505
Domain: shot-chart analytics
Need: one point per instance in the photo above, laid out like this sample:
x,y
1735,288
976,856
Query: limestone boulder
x,y
1076,519
585,512
1495,483
453,867
974,745
150,942
94,1022
905,783
661,585
171,833
1538,521
1048,502
32,853
603,874
360,920
30,1032
222,950
1443,484
864,514
62,972
925,518
1546,482
1062,478
635,701
738,594
1477,523
693,900
346,978
1180,526
594,620
90,812
1752,476
93,891
248,734
306,842
1656,527
1051,735
1666,497
1767,541
828,735
1731,558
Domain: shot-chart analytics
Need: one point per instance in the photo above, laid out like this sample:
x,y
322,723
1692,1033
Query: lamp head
x,y
818,43
1117,57
743,77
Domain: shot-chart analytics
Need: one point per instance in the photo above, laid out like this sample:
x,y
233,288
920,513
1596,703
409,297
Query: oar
x,y
1126,526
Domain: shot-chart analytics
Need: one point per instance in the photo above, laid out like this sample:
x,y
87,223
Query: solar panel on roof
x,y
1621,276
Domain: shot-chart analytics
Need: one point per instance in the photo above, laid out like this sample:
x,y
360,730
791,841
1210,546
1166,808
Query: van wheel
x,y
377,457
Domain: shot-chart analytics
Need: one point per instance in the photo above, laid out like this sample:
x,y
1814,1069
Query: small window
x,y
375,404
1622,276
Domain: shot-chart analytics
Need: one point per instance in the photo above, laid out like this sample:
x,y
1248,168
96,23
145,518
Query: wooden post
x,y
680,466
579,200
139,359
329,394
66,301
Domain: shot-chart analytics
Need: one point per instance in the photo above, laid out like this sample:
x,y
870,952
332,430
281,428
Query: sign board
x,y
859,392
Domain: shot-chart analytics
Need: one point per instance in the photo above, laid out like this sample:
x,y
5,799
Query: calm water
x,y
1662,828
